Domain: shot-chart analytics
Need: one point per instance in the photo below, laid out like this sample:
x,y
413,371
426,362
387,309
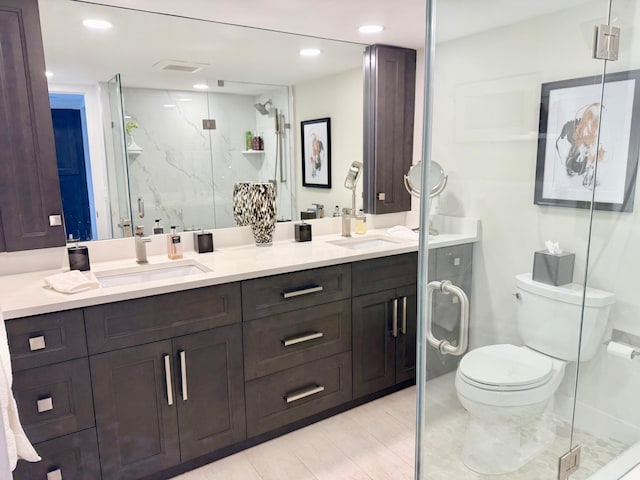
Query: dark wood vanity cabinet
x,y
389,102
384,322
30,201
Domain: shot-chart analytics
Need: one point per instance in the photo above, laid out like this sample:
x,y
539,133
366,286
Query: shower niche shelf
x,y
252,152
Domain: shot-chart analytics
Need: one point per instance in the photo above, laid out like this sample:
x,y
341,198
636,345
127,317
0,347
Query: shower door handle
x,y
140,207
444,346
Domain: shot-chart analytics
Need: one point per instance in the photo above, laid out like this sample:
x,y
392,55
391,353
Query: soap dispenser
x,y
174,247
157,228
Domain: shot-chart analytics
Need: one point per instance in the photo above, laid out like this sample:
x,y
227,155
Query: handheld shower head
x,y
353,175
262,107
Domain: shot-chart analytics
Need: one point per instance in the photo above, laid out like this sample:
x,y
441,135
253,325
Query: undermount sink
x,y
366,243
149,273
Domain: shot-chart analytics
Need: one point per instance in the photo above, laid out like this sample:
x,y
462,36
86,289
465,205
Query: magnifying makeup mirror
x,y
437,179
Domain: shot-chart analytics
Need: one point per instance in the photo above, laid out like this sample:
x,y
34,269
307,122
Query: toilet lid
x,y
506,367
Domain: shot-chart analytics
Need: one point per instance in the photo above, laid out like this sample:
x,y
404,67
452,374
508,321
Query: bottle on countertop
x,y
157,228
336,211
174,247
361,223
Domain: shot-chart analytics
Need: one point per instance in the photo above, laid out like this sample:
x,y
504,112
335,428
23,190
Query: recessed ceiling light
x,y
370,28
48,74
309,52
201,86
169,105
97,24
185,99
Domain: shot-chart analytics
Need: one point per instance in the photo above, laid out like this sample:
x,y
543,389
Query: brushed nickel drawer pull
x,y
302,338
300,394
394,317
403,328
183,374
37,343
45,404
55,474
304,291
167,378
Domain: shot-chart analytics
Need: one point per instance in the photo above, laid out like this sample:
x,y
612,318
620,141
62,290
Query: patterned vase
x,y
241,203
263,212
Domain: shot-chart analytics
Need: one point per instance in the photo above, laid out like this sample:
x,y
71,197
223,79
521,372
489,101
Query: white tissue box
x,y
553,268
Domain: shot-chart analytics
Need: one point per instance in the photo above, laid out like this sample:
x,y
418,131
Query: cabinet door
x,y
374,347
389,92
407,330
137,428
210,385
29,187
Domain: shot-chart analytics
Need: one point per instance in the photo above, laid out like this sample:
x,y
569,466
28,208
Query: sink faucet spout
x,y
141,248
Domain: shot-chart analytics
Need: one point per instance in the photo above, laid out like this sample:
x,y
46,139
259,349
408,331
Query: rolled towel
x,y
72,282
16,442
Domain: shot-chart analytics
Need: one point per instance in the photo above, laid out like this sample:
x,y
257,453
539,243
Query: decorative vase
x,y
241,203
263,212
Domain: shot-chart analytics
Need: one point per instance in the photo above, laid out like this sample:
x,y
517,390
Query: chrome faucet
x,y
141,248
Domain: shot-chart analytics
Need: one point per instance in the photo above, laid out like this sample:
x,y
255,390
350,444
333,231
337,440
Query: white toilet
x,y
508,390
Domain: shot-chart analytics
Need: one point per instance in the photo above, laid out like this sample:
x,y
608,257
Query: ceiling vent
x,y
179,66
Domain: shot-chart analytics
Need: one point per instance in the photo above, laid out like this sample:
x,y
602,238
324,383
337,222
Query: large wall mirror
x,y
151,116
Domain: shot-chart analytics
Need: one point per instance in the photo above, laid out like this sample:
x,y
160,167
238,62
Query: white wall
x,y
487,93
339,97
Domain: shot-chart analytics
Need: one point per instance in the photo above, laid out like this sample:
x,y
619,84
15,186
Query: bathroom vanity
x,y
157,384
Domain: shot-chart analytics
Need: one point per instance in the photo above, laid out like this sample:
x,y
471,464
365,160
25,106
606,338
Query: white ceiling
x,y
139,40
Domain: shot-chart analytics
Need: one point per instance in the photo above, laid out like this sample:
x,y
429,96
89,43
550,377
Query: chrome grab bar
x,y
444,346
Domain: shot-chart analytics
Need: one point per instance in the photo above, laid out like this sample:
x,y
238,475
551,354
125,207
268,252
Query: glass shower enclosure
x,y
535,117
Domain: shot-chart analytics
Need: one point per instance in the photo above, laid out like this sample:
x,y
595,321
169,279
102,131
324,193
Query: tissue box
x,y
553,269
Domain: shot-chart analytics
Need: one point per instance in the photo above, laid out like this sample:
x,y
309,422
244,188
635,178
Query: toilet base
x,y
505,444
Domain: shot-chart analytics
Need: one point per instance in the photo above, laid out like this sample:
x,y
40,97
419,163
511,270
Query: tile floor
x,y
376,442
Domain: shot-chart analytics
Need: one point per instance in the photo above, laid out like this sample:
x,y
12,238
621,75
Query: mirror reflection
x,y
157,117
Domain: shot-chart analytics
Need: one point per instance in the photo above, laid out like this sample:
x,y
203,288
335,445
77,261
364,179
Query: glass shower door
x,y
513,122
608,386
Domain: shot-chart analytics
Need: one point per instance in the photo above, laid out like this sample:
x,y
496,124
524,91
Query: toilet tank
x,y
549,318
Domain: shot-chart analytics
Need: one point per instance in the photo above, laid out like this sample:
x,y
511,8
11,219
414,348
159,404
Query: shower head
x,y
262,107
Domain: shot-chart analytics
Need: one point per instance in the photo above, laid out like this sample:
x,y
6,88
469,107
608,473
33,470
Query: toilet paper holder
x,y
624,342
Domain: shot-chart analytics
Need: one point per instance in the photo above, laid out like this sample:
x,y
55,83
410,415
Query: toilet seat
x,y
505,368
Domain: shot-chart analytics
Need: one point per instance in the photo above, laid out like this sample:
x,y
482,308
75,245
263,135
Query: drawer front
x,y
297,393
283,293
46,339
384,273
73,457
55,400
134,322
453,263
276,343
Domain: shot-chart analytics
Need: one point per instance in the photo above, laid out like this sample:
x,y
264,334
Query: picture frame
x,y
581,145
316,152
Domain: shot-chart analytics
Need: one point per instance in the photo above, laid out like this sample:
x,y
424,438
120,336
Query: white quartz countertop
x,y
25,294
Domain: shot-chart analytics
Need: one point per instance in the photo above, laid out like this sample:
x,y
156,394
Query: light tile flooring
x,y
376,441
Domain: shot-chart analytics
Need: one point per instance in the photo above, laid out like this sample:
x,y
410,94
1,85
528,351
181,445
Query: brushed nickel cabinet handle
x,y
403,328
167,378
394,316
54,474
37,343
183,374
45,404
304,291
302,338
300,394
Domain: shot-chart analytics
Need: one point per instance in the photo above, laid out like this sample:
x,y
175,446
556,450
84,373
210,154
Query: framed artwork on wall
x,y
316,153
588,142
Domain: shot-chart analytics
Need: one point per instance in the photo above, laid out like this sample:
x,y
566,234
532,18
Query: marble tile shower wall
x,y
185,174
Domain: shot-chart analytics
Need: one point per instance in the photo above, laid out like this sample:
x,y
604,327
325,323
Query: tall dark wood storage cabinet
x,y
389,104
30,204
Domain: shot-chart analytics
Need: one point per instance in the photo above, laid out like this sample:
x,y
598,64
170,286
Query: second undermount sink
x,y
365,243
150,273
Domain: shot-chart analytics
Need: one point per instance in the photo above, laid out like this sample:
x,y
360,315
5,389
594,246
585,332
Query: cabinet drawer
x,y
384,273
291,395
145,320
73,457
46,339
289,339
55,400
453,263
291,291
